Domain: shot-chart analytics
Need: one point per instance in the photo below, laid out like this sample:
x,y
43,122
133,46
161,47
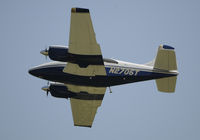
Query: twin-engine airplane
x,y
80,73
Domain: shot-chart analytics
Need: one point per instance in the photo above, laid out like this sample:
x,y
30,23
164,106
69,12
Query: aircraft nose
x,y
33,72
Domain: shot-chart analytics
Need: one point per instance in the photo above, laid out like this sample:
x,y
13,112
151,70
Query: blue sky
x,y
128,30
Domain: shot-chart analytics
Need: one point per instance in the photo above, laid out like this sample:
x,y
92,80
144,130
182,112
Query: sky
x,y
127,30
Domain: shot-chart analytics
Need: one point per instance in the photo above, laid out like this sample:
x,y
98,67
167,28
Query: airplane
x,y
80,73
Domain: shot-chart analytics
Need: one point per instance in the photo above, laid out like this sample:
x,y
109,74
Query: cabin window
x,y
110,60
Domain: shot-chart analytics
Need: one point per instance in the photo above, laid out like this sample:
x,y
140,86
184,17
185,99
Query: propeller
x,y
45,52
46,88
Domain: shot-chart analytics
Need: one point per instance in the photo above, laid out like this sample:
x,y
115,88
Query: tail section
x,y
166,61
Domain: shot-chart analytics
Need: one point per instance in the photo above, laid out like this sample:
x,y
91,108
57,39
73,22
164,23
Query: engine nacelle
x,y
60,91
58,53
61,53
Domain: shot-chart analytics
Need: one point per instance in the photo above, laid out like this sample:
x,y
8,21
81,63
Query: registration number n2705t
x,y
123,71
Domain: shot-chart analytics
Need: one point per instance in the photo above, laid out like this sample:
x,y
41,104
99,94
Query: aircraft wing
x,y
82,36
85,104
87,62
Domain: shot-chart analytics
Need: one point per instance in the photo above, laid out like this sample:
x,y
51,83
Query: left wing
x,y
87,62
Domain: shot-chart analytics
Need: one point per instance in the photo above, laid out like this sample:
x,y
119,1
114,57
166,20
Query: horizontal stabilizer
x,y
166,58
166,84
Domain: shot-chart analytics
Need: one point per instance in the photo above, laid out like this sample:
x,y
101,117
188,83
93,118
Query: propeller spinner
x,y
45,52
46,88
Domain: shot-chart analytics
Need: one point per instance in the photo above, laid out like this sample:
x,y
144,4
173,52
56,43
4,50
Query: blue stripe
x,y
168,47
